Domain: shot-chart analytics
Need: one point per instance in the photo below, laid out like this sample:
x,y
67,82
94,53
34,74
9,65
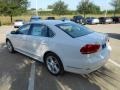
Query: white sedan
x,y
109,20
18,23
62,46
95,21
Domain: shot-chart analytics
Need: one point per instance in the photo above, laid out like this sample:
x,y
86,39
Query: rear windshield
x,y
19,20
74,30
35,19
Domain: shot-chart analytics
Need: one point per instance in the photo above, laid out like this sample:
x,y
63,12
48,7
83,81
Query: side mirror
x,y
13,32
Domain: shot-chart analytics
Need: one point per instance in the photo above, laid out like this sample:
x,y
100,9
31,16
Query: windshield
x,y
74,30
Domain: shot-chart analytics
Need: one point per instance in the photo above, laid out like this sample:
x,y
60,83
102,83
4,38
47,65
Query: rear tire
x,y
10,46
53,64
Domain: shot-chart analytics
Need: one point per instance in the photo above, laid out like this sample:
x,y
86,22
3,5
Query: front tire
x,y
54,64
10,46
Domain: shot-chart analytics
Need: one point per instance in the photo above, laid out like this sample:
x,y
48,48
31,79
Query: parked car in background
x,y
61,46
116,19
50,18
35,18
18,23
106,20
102,20
92,20
78,19
109,20
64,19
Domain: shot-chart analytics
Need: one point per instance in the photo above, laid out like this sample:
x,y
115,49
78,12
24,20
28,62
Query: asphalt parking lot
x,y
19,72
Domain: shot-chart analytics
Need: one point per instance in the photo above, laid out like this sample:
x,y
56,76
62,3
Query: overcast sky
x,y
105,4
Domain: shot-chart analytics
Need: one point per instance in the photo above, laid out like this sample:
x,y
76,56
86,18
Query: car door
x,y
37,40
20,37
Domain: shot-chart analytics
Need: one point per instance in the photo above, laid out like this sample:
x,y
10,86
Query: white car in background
x,y
109,20
18,23
95,21
62,46
92,20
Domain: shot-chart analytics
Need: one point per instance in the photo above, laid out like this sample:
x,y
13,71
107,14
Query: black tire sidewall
x,y
59,61
12,51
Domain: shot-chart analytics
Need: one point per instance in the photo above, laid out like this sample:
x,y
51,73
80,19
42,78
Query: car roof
x,y
90,17
35,17
48,22
50,17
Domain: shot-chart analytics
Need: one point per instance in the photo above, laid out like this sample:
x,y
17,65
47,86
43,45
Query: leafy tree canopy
x,y
116,6
59,8
13,7
86,7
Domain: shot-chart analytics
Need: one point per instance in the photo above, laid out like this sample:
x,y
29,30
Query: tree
x,y
85,7
33,9
94,9
13,7
116,5
59,8
50,7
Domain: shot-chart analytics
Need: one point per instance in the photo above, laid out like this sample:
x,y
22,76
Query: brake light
x,y
90,48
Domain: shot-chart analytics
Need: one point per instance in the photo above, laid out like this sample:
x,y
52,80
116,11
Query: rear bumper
x,y
17,26
88,69
92,65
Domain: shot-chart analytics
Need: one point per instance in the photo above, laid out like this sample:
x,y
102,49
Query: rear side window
x,y
74,30
39,30
50,33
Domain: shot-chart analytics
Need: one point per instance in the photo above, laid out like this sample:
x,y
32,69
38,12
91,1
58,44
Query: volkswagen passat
x,y
62,46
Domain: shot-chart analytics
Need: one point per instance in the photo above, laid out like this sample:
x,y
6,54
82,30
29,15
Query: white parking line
x,y
32,77
3,46
113,62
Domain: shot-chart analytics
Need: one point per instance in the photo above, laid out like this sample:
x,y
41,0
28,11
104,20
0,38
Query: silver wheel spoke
x,y
49,64
53,64
56,68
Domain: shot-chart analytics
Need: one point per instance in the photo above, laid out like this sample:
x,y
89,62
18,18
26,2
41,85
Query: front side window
x,y
74,30
24,29
39,30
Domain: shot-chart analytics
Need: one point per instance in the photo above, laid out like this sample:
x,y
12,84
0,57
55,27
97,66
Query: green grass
x,y
5,20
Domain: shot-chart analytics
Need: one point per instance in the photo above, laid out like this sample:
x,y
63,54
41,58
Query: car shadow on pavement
x,y
68,81
114,35
14,70
104,79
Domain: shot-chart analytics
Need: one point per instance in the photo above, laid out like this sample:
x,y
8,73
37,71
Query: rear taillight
x,y
90,48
